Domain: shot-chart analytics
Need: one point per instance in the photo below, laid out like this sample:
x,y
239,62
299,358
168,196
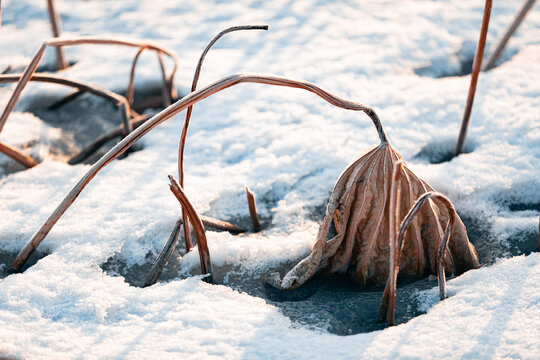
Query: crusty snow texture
x,y
289,147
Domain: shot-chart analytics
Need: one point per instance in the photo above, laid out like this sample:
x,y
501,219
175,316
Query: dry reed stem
x,y
386,309
6,70
117,100
221,225
61,62
198,228
164,256
253,210
17,155
492,60
477,64
182,142
31,68
165,114
165,87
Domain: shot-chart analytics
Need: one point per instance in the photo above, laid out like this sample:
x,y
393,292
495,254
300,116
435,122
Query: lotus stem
x,y
387,303
182,143
164,256
477,64
490,64
61,62
166,94
60,42
198,228
116,99
17,155
162,116
395,250
252,204
221,225
168,248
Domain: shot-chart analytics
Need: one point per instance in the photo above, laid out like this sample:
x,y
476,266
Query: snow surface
x,y
289,147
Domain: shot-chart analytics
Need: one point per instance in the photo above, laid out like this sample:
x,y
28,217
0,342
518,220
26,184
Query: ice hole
x,y
443,150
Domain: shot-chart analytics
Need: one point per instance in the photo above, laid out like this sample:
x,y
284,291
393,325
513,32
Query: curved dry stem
x,y
31,68
115,99
386,300
17,155
477,64
198,228
130,90
165,114
167,96
182,143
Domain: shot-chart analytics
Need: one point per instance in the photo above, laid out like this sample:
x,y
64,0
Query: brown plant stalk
x,y
198,228
477,65
492,60
31,68
386,310
182,142
168,94
165,114
252,204
61,62
17,155
114,98
167,250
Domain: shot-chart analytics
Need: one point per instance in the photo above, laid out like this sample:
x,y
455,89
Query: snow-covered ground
x,y
289,146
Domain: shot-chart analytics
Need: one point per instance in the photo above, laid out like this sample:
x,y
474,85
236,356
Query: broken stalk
x,y
164,255
253,210
17,155
198,228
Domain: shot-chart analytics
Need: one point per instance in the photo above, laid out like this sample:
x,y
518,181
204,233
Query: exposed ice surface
x,y
289,147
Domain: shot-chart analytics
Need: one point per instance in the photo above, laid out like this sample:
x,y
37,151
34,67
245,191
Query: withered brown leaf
x,y
359,208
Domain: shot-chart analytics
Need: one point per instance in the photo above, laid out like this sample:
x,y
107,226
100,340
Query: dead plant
x,y
172,110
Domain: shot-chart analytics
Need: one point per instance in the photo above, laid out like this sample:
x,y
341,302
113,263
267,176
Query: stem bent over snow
x,y
165,114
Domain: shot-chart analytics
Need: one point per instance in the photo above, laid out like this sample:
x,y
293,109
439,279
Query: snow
x,y
289,147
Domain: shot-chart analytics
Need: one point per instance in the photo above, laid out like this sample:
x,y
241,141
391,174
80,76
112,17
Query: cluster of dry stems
x,y
386,219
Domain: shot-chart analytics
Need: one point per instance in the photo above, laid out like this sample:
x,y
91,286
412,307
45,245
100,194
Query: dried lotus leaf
x,y
359,205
